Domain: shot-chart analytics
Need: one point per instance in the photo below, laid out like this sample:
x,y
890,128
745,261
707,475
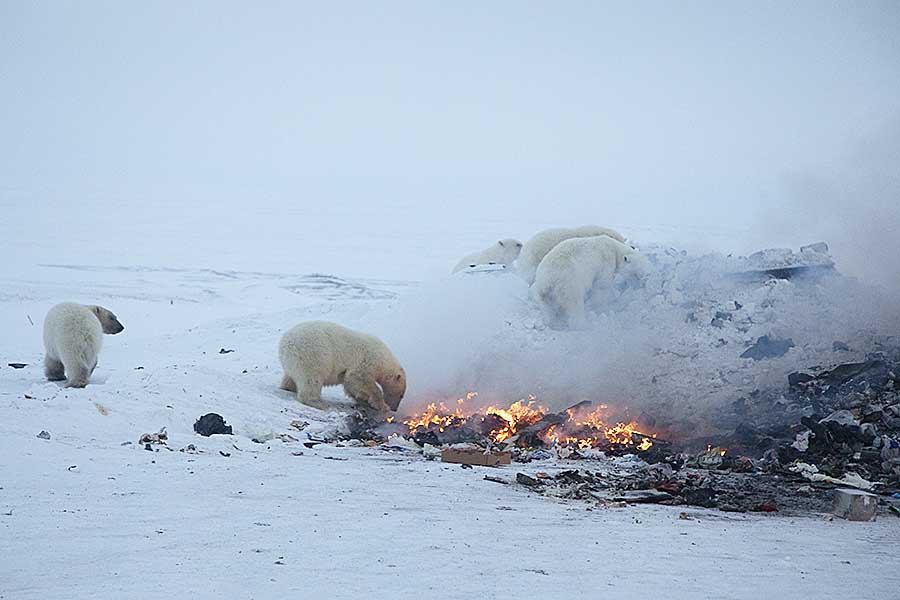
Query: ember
x,y
525,423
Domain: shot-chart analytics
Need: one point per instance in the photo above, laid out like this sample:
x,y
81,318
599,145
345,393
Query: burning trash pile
x,y
527,425
729,413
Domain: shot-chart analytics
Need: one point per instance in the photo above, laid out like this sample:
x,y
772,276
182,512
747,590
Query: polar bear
x,y
503,252
73,334
535,249
579,270
317,353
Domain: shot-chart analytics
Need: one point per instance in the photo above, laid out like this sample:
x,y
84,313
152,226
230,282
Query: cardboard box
x,y
855,505
475,456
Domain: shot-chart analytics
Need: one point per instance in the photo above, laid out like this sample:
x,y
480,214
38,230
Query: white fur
x,y
579,267
317,353
503,252
73,335
535,249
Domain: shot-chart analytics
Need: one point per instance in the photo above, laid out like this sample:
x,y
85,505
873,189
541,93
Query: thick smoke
x,y
669,349
853,203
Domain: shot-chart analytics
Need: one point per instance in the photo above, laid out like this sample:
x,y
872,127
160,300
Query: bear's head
x,y
394,387
634,266
108,321
510,249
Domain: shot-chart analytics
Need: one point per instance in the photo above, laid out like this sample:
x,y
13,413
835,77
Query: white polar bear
x,y
503,252
579,268
73,334
535,249
317,353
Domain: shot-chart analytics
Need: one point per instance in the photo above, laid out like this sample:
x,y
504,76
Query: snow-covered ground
x,y
89,513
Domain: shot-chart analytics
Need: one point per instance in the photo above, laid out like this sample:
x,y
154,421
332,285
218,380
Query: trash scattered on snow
x,y
212,424
160,437
766,347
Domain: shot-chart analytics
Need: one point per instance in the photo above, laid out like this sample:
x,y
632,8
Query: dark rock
x,y
212,424
225,350
766,347
44,435
18,365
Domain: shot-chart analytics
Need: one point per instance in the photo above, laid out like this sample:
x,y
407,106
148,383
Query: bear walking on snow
x,y
317,353
503,252
535,249
579,268
73,334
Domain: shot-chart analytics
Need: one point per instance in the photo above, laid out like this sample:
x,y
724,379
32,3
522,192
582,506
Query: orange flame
x,y
523,413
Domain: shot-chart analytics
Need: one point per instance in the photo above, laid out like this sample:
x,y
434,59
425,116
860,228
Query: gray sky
x,y
691,116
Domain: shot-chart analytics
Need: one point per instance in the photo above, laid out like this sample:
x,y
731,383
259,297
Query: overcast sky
x,y
677,114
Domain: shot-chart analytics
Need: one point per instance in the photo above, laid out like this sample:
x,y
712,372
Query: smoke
x,y
481,332
852,203
670,349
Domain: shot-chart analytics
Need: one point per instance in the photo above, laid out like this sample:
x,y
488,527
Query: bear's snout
x,y
114,327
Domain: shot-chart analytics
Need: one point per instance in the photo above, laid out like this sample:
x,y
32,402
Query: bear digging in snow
x,y
73,334
317,353
577,268
503,252
535,249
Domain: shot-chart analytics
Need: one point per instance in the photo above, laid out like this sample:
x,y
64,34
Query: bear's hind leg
x,y
53,369
363,389
78,376
288,384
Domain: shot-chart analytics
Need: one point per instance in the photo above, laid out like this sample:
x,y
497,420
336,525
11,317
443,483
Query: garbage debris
x,y
474,455
766,347
855,505
212,424
160,437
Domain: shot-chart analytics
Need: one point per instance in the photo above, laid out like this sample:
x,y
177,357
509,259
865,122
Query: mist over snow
x,y
390,141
